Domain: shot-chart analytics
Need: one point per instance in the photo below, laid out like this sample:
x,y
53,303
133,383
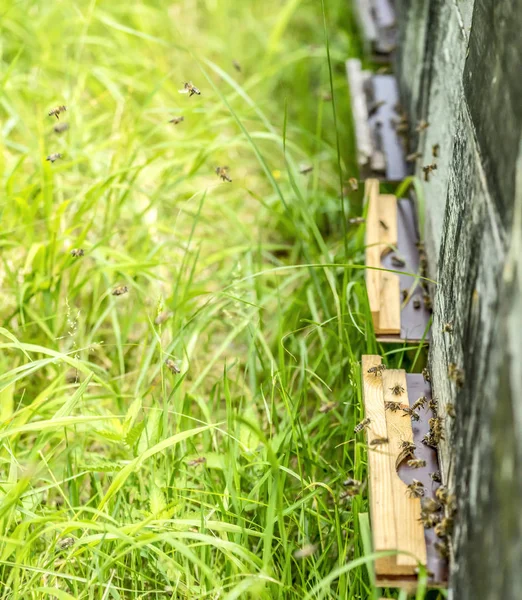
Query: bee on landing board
x,y
222,172
190,89
377,370
393,406
55,112
397,390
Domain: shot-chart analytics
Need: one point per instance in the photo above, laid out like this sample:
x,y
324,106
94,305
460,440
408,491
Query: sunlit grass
x,y
101,491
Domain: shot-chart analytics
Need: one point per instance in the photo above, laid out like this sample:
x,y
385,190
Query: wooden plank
x,y
363,136
410,532
390,309
373,249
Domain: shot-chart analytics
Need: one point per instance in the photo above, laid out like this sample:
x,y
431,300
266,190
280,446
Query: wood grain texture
x,y
373,249
410,532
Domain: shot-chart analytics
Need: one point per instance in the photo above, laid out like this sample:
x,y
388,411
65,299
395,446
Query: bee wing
x,y
183,91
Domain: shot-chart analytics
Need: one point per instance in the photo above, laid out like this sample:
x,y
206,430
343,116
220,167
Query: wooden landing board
x,y
394,515
373,249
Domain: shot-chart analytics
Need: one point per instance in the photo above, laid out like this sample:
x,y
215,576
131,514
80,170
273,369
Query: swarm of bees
x,y
377,370
362,425
55,112
53,157
77,252
120,290
172,366
222,172
397,390
190,89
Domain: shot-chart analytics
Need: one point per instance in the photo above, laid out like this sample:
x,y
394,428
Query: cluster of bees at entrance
x,y
221,171
437,513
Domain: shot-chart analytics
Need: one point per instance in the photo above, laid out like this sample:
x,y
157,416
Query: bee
x,y
397,262
55,112
416,489
353,183
360,426
163,316
190,89
372,110
327,407
409,411
177,120
444,528
223,173
306,551
357,221
442,549
379,441
397,390
435,150
77,252
393,406
419,403
120,290
427,169
305,169
60,127
404,295
436,430
408,446
377,370
422,126
64,543
430,505
413,156
450,410
428,440
441,493
435,476
352,483
433,405
416,463
416,304
426,374
427,301
383,225
456,374
349,493
172,366
197,461
236,66
430,519
53,157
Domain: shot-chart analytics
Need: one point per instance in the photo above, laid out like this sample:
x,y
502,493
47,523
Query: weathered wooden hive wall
x,y
459,67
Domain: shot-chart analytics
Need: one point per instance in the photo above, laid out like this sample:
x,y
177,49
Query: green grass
x,y
269,317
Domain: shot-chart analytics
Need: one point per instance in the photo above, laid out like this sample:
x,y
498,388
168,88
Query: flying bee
x,y
379,441
190,89
357,220
352,482
383,225
197,461
393,406
305,169
60,127
443,549
177,120
426,374
377,370
397,390
456,374
409,411
416,304
397,262
64,543
163,316
450,410
372,110
416,463
349,493
427,169
55,112
362,425
222,172
327,407
306,551
353,183
422,126
236,66
427,301
419,403
416,489
53,157
172,366
435,476
444,528
77,252
435,150
120,290
413,156
404,295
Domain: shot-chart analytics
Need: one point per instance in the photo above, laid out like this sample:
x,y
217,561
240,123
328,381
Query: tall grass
x,y
103,488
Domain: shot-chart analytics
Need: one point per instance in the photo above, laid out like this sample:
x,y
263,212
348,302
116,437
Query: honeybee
x,y
435,476
349,493
415,489
120,290
197,461
377,370
372,110
444,528
55,112
77,252
413,156
379,441
353,183
441,493
430,519
416,304
426,374
409,411
433,405
408,446
456,374
435,150
236,66
163,316
64,543
416,463
397,390
357,220
443,549
363,424
430,505
353,487
305,169
393,406
172,366
450,410
327,407
404,295
190,89
383,225
428,440
397,262
436,430
352,482
427,169
53,157
222,172
422,126
306,551
447,328
60,127
177,120
419,403
427,301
